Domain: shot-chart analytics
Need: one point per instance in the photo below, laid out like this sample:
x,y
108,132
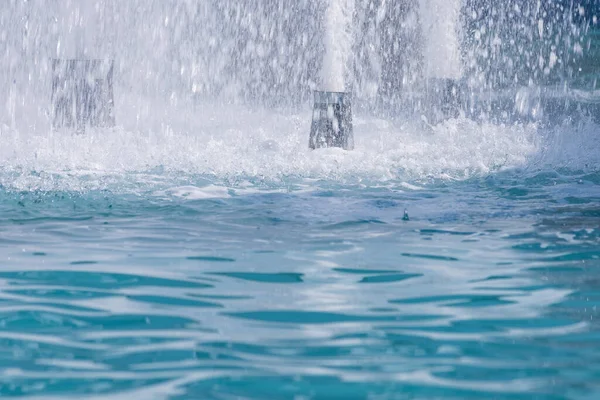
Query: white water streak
x,y
82,28
338,44
440,22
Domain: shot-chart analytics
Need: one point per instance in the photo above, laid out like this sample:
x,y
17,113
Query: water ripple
x,y
178,303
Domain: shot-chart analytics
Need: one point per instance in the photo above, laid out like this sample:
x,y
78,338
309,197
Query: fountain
x,y
332,121
441,95
481,56
82,93
441,57
332,113
82,86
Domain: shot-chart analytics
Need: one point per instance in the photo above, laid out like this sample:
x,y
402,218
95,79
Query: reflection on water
x,y
487,291
200,250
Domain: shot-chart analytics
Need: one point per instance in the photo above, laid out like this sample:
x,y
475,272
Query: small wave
x,y
197,193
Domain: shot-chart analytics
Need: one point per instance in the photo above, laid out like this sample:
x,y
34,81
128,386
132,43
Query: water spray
x,y
82,87
441,52
82,93
332,111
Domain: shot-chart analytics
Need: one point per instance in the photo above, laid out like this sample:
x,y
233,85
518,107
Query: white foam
x,y
157,145
198,193
228,143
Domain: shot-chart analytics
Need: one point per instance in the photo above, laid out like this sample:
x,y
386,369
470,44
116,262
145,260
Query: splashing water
x,y
513,43
338,44
200,250
275,54
182,67
440,24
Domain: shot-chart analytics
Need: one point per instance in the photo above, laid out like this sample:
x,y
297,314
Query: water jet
x,y
442,95
332,110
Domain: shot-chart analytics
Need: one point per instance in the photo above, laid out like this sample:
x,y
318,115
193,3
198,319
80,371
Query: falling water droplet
x,y
405,218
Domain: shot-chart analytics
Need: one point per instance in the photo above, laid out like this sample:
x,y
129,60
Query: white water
x,y
161,127
440,23
82,29
241,143
266,146
338,44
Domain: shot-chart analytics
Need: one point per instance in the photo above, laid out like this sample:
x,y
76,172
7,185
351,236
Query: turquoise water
x,y
200,250
199,286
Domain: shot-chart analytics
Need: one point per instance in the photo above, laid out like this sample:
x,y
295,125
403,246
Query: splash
x,y
186,72
507,44
338,44
440,24
257,145
271,53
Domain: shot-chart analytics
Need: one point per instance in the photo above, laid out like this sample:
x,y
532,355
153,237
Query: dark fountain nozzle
x,y
332,121
443,99
82,93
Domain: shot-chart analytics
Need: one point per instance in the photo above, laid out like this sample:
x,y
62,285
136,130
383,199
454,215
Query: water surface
x,y
196,286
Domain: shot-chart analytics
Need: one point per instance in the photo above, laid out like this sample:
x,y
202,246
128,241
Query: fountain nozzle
x,y
332,121
82,93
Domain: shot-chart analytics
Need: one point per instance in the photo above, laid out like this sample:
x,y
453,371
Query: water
x,y
169,286
338,44
440,21
214,266
200,250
